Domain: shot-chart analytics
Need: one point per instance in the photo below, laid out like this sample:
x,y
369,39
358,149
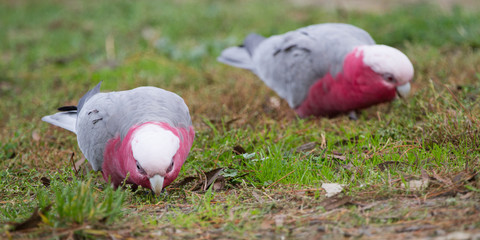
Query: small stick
x,y
73,163
281,179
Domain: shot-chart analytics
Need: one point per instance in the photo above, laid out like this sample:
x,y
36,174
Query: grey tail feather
x,y
252,41
67,117
241,56
88,95
237,57
65,120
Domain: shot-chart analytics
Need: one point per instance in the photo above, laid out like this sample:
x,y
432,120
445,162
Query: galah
x,y
140,136
325,69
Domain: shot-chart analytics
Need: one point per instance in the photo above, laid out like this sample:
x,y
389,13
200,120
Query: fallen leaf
x,y
332,189
306,147
45,181
239,150
335,202
211,176
204,180
33,220
219,183
79,163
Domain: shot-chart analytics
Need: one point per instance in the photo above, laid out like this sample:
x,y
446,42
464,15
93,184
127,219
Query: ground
x,y
408,169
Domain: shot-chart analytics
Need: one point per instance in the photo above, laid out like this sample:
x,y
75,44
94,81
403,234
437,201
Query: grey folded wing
x,y
93,128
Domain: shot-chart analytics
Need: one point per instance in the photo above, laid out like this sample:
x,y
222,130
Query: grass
x,y
52,52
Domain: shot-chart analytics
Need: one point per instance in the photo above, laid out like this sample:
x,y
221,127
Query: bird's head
x,y
391,65
154,148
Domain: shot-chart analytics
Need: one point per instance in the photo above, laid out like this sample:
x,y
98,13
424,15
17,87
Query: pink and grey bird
x,y
325,69
141,136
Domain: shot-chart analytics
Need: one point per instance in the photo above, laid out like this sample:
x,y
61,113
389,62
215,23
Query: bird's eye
x,y
140,169
170,168
389,77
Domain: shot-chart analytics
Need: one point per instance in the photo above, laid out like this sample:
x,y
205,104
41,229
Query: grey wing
x,y
93,130
336,41
291,63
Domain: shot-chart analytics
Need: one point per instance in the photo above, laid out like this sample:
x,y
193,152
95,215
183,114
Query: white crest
x,y
384,59
154,147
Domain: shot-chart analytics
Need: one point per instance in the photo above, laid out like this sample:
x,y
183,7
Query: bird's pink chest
x,y
356,87
114,161
333,96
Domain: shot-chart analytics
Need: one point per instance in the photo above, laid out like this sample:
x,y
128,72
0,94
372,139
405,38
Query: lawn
x,y
409,169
